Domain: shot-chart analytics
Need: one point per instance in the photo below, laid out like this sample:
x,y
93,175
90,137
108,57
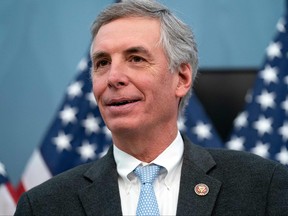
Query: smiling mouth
x,y
121,103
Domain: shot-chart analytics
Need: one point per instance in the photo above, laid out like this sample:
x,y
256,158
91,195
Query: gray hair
x,y
176,37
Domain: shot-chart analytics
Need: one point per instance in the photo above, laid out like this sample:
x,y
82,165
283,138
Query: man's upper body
x,y
239,184
144,61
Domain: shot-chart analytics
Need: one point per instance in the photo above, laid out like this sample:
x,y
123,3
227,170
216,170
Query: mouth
x,y
121,102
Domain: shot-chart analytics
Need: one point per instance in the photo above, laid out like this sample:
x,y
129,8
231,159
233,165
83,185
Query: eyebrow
x,y
129,51
138,50
98,55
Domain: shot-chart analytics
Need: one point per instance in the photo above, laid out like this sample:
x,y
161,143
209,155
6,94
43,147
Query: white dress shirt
x,y
166,186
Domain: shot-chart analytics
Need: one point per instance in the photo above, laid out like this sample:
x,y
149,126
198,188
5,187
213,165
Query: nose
x,y
117,77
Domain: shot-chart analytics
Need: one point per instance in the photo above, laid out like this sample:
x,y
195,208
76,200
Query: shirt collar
x,y
170,159
125,163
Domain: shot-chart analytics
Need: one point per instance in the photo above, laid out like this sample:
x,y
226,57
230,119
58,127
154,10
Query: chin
x,y
123,128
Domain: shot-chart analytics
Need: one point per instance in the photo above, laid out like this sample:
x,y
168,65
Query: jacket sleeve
x,y
278,192
23,206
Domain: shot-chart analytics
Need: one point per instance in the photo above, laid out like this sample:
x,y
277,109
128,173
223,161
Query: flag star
x,y
2,169
284,105
266,100
87,151
68,115
283,131
75,89
181,123
236,143
273,50
62,141
282,156
261,149
241,120
202,130
90,97
263,125
281,25
269,74
91,124
83,64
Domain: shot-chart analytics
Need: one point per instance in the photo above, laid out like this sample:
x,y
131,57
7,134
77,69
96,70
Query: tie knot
x,y
147,174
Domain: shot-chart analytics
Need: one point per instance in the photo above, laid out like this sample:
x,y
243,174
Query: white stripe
x,y
7,204
36,171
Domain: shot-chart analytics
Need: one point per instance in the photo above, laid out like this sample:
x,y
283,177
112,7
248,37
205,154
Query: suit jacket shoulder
x,y
89,189
239,183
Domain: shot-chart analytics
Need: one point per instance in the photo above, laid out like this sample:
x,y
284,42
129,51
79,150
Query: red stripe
x,y
12,192
20,190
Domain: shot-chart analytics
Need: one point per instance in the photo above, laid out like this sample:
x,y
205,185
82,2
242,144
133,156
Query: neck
x,y
143,145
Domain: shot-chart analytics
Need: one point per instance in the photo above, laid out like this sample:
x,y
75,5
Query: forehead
x,y
128,30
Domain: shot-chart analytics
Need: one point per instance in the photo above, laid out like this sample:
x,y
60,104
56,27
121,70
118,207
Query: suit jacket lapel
x,y
196,164
102,197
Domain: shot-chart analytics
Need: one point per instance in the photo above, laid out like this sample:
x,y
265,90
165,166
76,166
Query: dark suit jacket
x,y
239,184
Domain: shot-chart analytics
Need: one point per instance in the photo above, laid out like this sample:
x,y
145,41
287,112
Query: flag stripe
x,y
7,202
8,196
12,192
36,171
20,189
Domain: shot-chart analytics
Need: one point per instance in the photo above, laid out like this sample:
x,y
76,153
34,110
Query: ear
x,y
184,80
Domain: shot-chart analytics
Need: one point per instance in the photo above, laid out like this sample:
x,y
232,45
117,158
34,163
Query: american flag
x,y
8,195
262,128
78,134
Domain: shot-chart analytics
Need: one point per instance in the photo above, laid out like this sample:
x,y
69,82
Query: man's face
x,y
132,84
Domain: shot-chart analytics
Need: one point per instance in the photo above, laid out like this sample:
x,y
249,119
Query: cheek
x,y
98,86
95,92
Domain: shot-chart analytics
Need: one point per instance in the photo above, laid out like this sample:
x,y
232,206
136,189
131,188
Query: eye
x,y
102,63
137,59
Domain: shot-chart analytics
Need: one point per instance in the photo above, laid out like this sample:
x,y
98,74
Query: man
x,y
144,63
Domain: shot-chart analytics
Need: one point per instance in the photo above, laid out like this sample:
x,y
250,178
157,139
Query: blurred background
x,y
42,42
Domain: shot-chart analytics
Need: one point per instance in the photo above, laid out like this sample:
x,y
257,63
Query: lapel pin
x,y
201,189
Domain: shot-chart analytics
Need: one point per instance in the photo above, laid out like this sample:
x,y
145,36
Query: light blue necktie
x,y
147,204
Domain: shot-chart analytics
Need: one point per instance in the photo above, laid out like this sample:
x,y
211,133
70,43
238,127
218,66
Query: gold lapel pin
x,y
201,189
